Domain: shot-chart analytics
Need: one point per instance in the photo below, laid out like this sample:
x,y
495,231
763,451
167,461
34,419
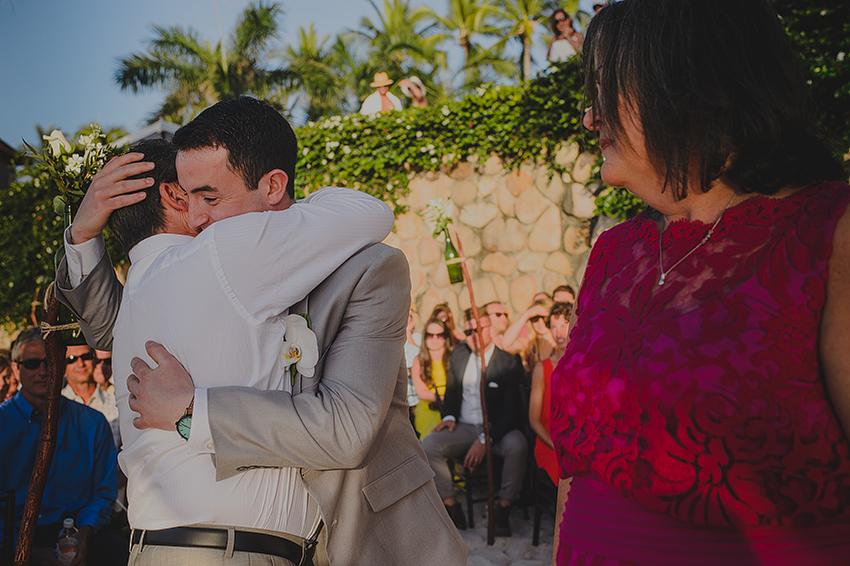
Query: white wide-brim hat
x,y
415,80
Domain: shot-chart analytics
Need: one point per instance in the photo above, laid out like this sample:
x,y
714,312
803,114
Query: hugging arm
x,y
334,425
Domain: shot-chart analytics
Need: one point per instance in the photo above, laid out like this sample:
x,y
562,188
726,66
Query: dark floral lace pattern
x,y
703,398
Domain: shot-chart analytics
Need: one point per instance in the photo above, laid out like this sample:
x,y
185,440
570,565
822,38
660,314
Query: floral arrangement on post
x,y
71,167
438,215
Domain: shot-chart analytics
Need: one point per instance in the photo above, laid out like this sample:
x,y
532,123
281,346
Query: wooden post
x,y
488,449
49,425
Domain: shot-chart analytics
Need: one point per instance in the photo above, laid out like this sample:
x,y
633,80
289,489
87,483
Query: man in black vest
x,y
461,433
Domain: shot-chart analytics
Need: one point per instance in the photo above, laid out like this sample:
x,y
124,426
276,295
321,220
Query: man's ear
x,y
173,195
273,187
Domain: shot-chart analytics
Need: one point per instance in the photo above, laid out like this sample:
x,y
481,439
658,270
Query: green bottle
x,y
453,261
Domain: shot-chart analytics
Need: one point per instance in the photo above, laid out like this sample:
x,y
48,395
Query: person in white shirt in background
x,y
82,387
382,100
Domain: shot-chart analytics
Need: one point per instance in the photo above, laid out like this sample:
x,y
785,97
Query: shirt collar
x,y
155,244
27,410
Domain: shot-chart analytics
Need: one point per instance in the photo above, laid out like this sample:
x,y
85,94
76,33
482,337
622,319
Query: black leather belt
x,y
200,537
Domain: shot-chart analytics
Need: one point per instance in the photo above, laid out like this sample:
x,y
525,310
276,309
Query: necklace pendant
x,y
662,278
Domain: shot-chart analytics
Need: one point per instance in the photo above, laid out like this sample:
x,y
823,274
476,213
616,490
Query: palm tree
x,y
319,74
396,46
197,74
467,19
522,16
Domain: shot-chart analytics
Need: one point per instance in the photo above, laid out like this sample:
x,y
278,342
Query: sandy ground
x,y
515,550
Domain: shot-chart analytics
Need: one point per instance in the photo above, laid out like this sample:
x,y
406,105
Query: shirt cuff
x,y
200,436
449,418
82,258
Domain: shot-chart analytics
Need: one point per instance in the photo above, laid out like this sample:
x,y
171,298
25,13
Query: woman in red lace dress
x,y
700,402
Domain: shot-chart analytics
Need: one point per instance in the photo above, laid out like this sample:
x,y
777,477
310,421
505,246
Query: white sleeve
x,y
82,258
200,437
293,250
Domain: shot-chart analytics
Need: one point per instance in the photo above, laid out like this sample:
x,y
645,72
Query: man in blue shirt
x,y
81,483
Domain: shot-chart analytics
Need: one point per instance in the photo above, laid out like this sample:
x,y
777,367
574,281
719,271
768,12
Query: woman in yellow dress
x,y
429,374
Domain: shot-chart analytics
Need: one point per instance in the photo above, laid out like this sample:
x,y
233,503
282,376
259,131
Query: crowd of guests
x,y
446,408
84,482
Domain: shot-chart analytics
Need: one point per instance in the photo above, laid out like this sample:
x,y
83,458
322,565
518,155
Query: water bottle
x,y
66,546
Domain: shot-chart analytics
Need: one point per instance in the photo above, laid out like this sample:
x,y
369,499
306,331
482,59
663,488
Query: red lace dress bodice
x,y
703,399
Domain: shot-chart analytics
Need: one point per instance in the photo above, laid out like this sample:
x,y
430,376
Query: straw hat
x,y
415,80
381,79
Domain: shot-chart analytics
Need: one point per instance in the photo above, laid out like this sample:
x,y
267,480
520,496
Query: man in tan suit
x,y
346,428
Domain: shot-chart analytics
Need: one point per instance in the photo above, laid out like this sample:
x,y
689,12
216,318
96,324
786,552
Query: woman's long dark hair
x,y
717,88
425,355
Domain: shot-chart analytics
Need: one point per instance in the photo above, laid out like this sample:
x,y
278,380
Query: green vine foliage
x,y
30,235
379,154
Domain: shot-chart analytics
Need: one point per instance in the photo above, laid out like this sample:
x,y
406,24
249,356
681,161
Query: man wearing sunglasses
x,y
82,387
82,480
461,433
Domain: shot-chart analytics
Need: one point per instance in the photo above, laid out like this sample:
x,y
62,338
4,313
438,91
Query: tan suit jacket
x,y
347,428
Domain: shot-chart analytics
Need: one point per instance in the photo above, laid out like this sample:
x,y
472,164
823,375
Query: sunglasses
x,y
33,363
560,19
104,361
534,319
497,314
429,335
85,357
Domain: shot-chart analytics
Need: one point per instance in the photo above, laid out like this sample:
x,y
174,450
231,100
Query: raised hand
x,y
110,190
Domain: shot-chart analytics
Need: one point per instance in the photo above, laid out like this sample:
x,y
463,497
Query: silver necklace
x,y
705,238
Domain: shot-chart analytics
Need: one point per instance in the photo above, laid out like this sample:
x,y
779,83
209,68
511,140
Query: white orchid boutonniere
x,y
300,346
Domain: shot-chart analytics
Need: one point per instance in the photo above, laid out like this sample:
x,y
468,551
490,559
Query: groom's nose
x,y
198,220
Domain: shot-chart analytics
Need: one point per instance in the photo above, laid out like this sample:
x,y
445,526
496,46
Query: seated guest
x,y
564,294
429,375
460,435
499,320
529,336
103,370
82,387
8,384
444,313
558,322
82,479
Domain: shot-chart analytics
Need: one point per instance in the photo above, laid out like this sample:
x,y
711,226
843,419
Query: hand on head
x,y
110,190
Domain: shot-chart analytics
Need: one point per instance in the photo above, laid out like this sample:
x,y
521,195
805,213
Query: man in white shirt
x,y
382,100
461,433
82,387
230,331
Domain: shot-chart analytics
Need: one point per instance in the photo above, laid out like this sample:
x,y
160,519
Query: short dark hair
x,y
132,224
715,85
564,289
559,309
26,335
257,138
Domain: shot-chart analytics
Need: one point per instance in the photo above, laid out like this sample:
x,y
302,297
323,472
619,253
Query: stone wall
x,y
524,231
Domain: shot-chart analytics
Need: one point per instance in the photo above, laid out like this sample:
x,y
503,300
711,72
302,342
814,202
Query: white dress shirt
x,y
372,104
470,403
217,302
103,402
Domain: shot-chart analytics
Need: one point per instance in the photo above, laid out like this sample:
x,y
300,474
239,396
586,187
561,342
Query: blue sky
x,y
58,57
